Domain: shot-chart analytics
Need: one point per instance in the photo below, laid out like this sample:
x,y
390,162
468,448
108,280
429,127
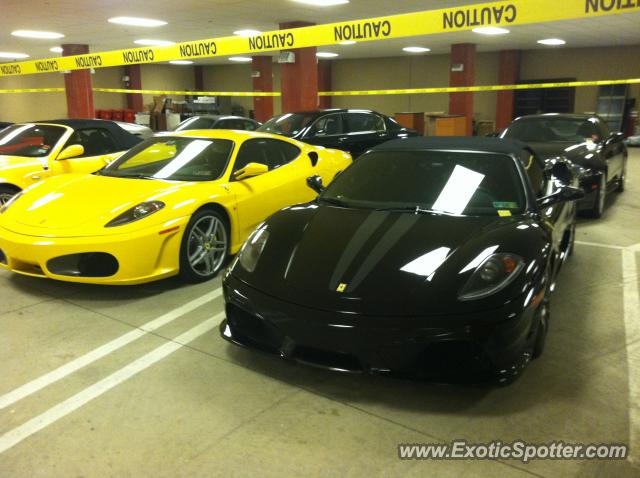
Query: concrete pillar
x,y
299,80
509,74
134,100
324,83
463,73
262,67
78,86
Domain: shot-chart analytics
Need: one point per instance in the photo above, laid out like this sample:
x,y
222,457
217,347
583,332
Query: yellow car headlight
x,y
136,213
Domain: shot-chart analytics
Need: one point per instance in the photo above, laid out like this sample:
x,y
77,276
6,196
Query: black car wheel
x,y
6,193
542,329
601,197
205,246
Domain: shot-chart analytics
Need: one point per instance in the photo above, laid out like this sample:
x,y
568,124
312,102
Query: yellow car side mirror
x,y
251,170
72,151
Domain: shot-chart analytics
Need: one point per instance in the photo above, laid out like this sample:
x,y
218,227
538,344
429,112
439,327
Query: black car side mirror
x,y
614,138
564,194
315,183
313,156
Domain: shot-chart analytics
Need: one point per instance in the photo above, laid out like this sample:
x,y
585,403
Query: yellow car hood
x,y
81,205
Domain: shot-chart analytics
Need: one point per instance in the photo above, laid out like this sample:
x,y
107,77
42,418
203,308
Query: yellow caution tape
x,y
502,13
190,93
409,91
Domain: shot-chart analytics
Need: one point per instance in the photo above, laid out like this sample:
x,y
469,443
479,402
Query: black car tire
x,y
542,328
6,193
214,248
601,197
623,178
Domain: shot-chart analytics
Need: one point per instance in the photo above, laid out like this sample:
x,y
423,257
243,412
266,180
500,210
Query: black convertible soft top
x,y
124,139
452,143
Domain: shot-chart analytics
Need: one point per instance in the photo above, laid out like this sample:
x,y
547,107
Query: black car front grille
x,y
253,330
327,359
453,358
88,264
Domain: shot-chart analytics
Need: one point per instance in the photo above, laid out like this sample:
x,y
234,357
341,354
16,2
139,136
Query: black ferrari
x,y
586,141
434,257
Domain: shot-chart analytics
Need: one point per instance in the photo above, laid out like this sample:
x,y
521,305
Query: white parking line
x,y
83,397
632,334
110,347
598,244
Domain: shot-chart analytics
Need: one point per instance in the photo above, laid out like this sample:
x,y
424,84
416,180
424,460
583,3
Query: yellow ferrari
x,y
176,204
31,152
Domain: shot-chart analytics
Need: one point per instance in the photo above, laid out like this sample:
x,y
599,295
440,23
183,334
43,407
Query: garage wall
x,y
19,107
422,71
166,77
584,64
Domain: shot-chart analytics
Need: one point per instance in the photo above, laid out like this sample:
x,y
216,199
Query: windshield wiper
x,y
333,201
413,209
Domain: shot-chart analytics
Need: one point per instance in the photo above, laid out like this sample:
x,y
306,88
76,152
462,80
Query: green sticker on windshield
x,y
505,205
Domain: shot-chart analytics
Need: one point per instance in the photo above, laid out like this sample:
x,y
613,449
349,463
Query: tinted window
x,y
96,141
231,124
178,159
535,171
288,124
361,122
249,125
29,140
553,129
329,125
441,182
195,123
270,152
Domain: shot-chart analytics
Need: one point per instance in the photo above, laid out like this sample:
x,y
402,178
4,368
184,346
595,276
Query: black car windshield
x,y
441,182
29,140
196,122
552,129
289,124
178,159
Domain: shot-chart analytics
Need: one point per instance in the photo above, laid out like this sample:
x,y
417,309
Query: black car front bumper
x,y
484,346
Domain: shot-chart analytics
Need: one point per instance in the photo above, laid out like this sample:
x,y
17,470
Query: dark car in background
x,y
586,141
429,256
218,122
354,131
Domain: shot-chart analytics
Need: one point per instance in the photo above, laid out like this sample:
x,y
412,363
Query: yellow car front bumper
x,y
134,258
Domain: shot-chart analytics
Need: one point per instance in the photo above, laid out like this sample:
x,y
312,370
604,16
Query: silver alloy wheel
x,y
5,198
207,246
602,194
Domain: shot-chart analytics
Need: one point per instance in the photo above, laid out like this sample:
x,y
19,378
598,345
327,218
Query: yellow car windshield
x,y
177,159
29,140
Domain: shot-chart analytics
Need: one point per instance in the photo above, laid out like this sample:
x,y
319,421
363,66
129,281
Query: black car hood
x,y
384,263
576,153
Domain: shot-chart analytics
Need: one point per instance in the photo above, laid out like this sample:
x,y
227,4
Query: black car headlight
x,y
136,213
493,275
252,249
8,204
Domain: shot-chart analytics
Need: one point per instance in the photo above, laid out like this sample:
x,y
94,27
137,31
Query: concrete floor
x,y
210,409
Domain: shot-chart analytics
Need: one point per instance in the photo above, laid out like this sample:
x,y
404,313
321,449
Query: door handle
x,y
342,139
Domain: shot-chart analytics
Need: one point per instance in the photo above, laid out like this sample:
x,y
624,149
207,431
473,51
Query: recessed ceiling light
x,y
552,41
416,49
12,56
147,42
181,62
56,49
326,54
36,34
491,31
348,42
137,22
241,59
322,3
247,32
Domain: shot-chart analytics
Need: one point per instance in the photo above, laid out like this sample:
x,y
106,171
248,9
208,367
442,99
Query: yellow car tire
x,y
205,246
6,193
